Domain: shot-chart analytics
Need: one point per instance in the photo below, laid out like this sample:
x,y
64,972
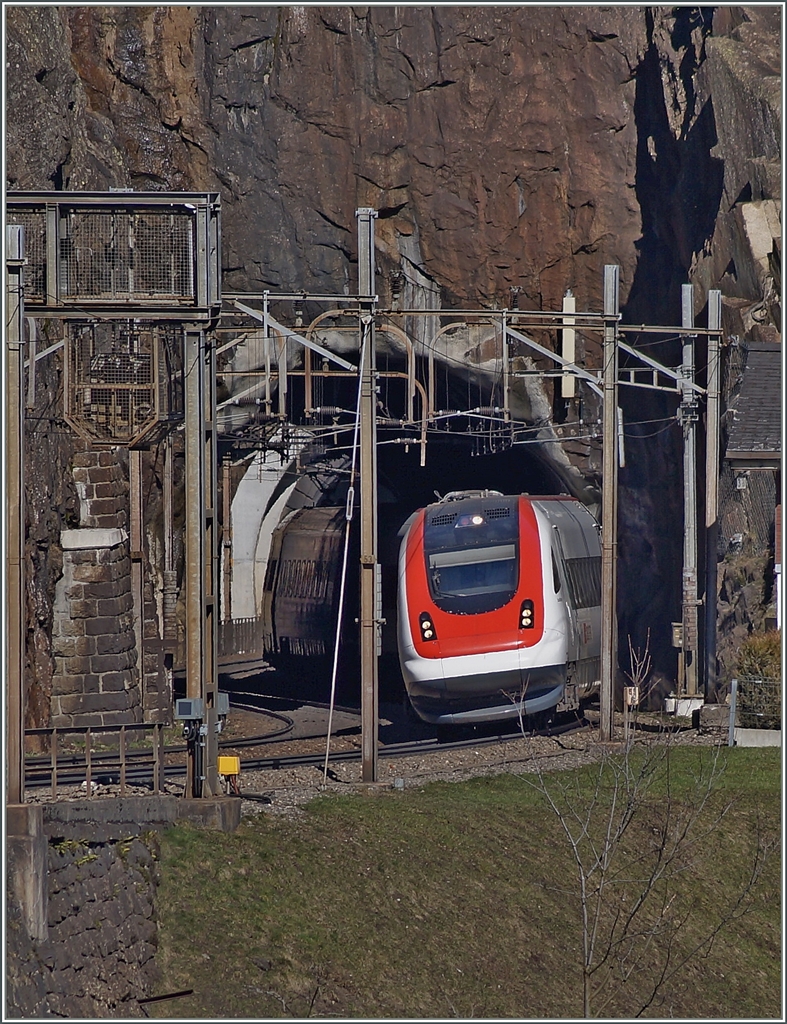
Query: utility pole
x,y
370,611
609,501
688,417
15,515
201,559
712,487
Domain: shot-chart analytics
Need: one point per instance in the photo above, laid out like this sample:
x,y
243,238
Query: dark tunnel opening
x,y
453,463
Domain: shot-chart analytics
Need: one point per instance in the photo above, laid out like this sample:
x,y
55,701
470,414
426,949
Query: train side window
x,y
584,581
555,573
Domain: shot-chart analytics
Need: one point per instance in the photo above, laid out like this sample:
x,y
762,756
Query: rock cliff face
x,y
511,153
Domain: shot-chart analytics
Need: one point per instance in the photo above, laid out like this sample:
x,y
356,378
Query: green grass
x,y
454,900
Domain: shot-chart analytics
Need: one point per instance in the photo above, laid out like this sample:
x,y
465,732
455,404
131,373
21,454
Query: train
x,y
499,607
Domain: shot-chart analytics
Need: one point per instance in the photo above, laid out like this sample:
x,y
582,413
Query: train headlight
x,y
469,519
428,631
526,617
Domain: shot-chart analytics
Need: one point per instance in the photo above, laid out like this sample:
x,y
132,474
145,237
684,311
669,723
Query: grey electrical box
x,y
189,708
222,703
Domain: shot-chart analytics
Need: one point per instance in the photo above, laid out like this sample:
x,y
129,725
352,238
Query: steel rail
x,y
40,776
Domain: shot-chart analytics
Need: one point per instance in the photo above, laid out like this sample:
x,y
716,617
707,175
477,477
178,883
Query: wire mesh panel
x,y
121,254
34,274
126,254
759,702
123,380
747,508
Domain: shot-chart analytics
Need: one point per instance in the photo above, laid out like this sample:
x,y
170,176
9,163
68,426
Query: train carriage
x,y
498,606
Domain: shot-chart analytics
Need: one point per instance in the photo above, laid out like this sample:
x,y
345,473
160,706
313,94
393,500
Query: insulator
x,y
331,410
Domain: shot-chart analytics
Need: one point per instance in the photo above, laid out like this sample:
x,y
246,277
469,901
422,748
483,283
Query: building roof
x,y
755,429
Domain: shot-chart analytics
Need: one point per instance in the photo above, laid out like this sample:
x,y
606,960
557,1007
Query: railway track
x,y
105,769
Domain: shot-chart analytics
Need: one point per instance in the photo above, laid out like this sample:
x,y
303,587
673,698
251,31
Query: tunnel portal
x,y
300,598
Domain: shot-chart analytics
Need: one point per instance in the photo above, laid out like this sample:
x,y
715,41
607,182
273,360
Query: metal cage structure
x,y
123,381
141,254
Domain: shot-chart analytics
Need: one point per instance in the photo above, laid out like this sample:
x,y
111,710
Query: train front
x,y
481,632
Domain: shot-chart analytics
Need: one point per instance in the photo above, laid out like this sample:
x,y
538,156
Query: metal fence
x,y
240,637
89,755
759,702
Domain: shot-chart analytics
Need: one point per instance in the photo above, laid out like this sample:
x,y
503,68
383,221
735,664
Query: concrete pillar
x,y
26,865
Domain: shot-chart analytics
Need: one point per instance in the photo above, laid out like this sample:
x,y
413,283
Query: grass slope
x,y
455,901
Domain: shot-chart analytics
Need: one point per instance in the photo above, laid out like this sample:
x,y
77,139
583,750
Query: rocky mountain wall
x,y
511,153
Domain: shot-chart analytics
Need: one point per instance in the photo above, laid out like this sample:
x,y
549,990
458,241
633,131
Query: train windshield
x,y
472,560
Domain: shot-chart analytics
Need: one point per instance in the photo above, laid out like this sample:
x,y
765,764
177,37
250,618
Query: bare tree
x,y
634,826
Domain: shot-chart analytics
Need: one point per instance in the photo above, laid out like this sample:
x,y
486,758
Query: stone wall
x,y
98,957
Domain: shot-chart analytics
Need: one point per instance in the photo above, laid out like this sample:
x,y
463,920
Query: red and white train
x,y
499,606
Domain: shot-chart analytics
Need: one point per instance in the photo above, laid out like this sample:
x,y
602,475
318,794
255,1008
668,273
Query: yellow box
x,y
228,765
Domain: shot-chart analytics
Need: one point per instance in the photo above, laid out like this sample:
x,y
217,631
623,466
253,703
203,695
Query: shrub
x,y
761,655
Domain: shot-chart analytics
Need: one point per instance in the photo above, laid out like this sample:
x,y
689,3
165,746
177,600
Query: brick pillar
x,y
96,680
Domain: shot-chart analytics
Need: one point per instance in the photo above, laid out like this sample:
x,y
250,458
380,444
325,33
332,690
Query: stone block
x,y
86,457
107,940
61,685
85,646
109,489
66,648
102,663
72,704
109,555
76,666
101,624
109,588
120,701
145,951
112,682
115,605
83,556
115,520
63,626
91,683
105,506
101,475
110,458
83,609
114,643
714,718
93,573
89,538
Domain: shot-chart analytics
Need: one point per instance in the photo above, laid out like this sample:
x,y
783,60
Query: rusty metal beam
x,y
13,358
370,614
201,555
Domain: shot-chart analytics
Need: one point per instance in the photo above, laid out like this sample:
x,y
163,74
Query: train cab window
x,y
473,571
472,556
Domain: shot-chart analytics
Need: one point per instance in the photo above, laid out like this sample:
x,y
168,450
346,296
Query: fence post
x,y
733,702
